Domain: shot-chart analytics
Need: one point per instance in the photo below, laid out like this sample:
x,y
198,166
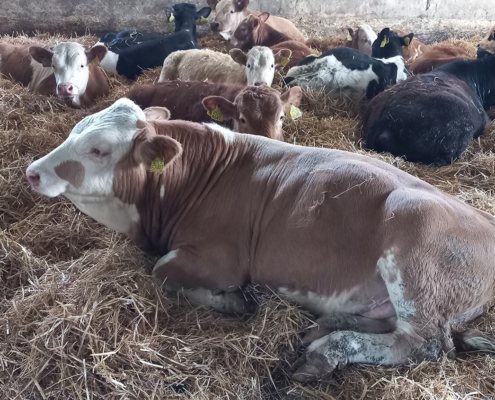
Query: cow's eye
x,y
232,11
272,65
96,152
281,117
243,120
249,65
82,66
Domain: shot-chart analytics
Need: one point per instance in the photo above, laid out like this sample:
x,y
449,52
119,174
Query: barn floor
x,y
81,319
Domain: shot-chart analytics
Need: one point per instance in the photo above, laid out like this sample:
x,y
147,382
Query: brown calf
x,y
362,39
388,261
254,31
437,56
258,110
299,52
488,42
414,49
230,13
64,70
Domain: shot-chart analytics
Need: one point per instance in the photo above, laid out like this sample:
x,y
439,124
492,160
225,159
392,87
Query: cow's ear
x,y
240,5
383,37
169,11
282,58
406,40
152,150
238,56
204,12
157,114
212,3
96,51
264,16
291,97
219,108
41,55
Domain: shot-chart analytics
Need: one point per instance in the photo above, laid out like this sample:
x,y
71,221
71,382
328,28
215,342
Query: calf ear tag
x,y
203,20
216,114
46,62
384,41
407,41
172,18
157,165
285,61
96,62
294,113
349,38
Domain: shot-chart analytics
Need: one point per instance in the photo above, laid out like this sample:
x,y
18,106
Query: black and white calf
x,y
131,61
389,44
130,37
431,118
348,72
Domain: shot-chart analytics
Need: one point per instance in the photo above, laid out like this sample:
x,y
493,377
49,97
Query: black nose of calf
x,y
215,26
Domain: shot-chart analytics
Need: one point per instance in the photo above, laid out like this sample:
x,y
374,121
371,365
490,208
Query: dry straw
x,y
81,319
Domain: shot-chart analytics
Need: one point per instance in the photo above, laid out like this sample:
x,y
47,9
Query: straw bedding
x,y
81,319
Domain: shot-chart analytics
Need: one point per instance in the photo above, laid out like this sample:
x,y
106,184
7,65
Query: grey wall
x,y
96,16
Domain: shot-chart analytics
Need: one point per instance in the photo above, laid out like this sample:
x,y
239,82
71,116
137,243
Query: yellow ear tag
x,y
294,113
203,20
216,114
172,18
349,38
96,62
285,61
157,165
407,41
384,41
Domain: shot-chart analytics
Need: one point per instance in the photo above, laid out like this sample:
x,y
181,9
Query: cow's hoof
x,y
314,367
313,334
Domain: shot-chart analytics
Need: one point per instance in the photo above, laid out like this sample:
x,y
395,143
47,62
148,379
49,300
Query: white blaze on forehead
x,y
366,37
260,66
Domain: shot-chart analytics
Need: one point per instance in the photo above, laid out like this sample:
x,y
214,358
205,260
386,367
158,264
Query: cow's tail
x,y
170,70
473,340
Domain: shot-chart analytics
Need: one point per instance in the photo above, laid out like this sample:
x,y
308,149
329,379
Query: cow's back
x,y
286,27
15,63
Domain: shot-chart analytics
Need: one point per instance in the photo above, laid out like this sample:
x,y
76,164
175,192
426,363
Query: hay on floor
x,y
81,319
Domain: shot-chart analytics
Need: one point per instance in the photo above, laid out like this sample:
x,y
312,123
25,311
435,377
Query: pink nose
x,y
33,178
65,90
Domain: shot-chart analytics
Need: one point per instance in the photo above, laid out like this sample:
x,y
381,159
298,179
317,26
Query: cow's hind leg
x,y
348,322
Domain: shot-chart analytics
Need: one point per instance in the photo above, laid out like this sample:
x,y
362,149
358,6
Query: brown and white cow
x,y
230,13
414,49
386,260
437,56
257,66
488,42
257,110
362,39
254,31
64,70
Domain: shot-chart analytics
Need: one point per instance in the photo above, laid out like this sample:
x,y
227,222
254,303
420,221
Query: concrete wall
x,y
96,16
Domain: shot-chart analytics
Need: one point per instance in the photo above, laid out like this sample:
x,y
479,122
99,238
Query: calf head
x,y
100,152
185,15
229,15
488,43
70,62
362,39
244,36
258,110
389,44
260,63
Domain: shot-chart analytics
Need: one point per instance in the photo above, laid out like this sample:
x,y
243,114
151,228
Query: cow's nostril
x,y
33,178
70,88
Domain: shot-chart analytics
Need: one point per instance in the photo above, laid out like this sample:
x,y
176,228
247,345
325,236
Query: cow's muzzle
x,y
67,90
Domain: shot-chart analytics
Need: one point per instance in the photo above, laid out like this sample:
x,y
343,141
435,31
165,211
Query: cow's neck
x,y
265,35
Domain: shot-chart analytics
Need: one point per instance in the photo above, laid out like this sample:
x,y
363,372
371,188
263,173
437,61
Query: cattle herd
x,y
195,170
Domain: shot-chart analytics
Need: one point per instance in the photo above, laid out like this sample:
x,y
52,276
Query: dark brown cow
x,y
258,110
299,52
65,70
414,50
437,56
389,262
254,31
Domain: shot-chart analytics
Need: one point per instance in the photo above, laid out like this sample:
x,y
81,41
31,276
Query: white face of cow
x,y
82,166
227,19
70,62
366,37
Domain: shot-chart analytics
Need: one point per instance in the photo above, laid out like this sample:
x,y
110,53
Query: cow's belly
x,y
370,300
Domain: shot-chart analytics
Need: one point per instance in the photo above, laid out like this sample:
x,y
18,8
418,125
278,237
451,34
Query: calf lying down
x,y
257,66
431,118
387,261
346,72
258,110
